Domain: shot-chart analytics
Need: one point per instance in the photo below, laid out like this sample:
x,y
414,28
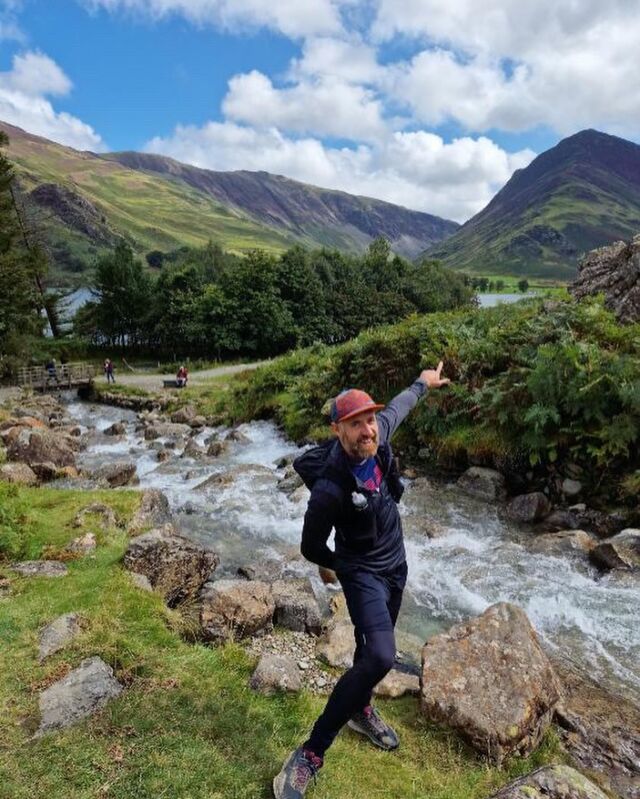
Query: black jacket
x,y
368,539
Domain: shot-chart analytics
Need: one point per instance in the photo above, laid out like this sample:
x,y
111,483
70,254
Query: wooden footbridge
x,y
62,378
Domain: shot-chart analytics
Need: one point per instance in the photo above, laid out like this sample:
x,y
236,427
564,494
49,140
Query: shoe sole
x,y
357,728
278,786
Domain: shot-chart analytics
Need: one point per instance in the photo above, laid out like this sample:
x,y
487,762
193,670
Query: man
x,y
355,489
182,377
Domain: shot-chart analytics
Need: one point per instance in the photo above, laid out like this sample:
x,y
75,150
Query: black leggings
x,y
373,601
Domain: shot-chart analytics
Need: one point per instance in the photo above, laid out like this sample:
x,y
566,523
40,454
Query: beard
x,y
365,448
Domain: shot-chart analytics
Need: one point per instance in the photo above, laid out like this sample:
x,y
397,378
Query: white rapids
x,y
478,558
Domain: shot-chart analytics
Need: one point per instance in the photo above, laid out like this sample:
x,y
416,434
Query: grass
x,y
187,724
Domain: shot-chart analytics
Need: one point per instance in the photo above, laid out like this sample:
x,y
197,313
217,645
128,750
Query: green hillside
x,y
581,194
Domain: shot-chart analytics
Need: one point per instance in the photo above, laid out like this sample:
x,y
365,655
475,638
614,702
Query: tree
x,y
523,285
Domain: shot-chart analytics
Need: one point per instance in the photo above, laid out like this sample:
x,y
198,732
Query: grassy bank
x,y
187,724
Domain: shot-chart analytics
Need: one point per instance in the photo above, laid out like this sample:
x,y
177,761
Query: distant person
x,y
182,377
52,372
108,370
355,489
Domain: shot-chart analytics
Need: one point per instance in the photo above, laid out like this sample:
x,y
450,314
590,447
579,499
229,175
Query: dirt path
x,y
151,382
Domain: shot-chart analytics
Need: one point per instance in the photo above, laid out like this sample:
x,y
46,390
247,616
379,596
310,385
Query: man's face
x,y
358,435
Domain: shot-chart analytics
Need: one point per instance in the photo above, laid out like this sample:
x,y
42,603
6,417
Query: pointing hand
x,y
432,379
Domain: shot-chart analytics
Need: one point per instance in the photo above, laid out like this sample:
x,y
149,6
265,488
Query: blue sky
x,y
421,102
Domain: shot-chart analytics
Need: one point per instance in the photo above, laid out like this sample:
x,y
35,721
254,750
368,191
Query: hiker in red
x,y
182,376
355,488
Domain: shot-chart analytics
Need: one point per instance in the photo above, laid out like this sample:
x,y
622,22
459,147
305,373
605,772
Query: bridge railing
x,y
64,375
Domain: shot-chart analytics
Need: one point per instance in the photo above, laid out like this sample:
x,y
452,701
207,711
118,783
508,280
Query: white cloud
x,y
351,61
418,170
290,17
518,64
23,102
325,106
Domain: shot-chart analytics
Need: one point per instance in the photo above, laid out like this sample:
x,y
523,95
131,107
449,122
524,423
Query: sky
x,y
430,104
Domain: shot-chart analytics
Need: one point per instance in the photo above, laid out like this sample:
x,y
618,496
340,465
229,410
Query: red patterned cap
x,y
350,403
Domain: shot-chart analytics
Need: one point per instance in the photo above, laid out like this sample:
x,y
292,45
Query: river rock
x,y
621,551
551,782
153,511
40,568
296,607
104,513
398,683
194,450
48,471
483,483
571,488
116,429
217,448
601,731
276,673
81,693
167,430
57,635
183,415
614,271
529,507
18,473
120,473
300,494
235,609
490,680
290,481
237,436
175,566
41,446
563,542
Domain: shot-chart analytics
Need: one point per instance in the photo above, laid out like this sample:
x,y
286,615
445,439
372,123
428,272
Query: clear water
x,y
479,558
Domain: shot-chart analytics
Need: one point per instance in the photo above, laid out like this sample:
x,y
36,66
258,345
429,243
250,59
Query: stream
x,y
476,557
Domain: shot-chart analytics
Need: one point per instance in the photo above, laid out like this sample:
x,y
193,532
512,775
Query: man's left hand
x,y
431,377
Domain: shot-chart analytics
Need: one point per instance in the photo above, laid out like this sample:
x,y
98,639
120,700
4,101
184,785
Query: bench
x,y
172,383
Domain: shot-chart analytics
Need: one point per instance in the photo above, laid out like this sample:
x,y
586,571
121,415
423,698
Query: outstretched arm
x,y
401,405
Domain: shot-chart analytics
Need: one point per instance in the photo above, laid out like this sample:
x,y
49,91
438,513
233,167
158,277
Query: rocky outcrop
x,y
35,445
615,272
601,731
487,484
490,680
621,551
235,609
75,211
175,567
81,693
276,673
551,782
18,473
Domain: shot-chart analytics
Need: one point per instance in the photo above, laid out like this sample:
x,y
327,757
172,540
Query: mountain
x,y
84,202
582,193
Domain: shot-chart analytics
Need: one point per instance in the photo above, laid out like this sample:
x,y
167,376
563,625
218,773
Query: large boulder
x,y
18,473
490,680
235,609
81,693
296,607
184,415
483,483
167,430
551,782
120,473
614,271
529,507
600,730
175,566
563,542
35,445
621,551
153,511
